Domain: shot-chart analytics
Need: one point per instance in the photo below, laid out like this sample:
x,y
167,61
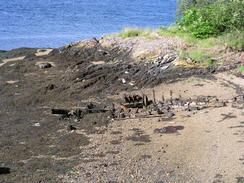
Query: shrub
x,y
213,19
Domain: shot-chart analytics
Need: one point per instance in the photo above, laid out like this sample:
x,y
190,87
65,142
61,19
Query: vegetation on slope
x,y
208,26
204,22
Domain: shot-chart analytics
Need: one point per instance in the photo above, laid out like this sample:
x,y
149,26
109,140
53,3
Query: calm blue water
x,y
52,23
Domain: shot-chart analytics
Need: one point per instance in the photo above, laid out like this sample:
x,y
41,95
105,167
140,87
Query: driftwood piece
x,y
154,98
163,99
134,105
60,111
145,101
78,112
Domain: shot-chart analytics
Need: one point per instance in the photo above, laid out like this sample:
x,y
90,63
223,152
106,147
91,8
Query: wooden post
x,y
154,99
163,97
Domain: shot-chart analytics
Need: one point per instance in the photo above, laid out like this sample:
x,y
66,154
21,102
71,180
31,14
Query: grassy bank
x,y
200,50
210,28
203,22
233,39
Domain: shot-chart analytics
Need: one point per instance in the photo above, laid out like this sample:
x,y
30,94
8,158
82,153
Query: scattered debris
x,y
78,113
139,106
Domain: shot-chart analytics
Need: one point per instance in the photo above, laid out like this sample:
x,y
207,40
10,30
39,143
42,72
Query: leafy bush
x,y
213,18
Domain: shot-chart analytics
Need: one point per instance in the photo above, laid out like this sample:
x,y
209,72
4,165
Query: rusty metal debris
x,y
140,106
78,112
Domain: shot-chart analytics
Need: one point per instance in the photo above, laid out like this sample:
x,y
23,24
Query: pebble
x,y
44,65
37,124
123,80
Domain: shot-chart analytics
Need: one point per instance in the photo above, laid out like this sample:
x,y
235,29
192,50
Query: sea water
x,y
53,23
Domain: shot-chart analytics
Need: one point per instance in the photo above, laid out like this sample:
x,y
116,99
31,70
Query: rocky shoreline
x,y
138,95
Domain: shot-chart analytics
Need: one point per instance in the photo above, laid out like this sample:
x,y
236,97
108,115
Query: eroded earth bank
x,y
120,110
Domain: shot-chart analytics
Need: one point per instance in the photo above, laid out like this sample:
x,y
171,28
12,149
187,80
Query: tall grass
x,y
136,32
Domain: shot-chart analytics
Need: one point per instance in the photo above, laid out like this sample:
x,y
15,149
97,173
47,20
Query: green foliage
x,y
241,69
197,55
188,37
184,5
176,32
212,18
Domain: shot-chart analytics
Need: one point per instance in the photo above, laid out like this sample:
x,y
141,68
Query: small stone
x,y
130,83
44,65
123,80
37,124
